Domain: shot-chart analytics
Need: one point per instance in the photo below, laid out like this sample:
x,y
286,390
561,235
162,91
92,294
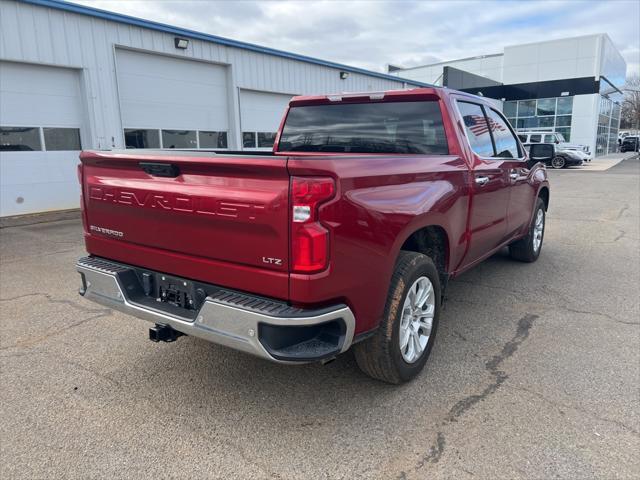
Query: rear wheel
x,y
528,248
400,347
558,162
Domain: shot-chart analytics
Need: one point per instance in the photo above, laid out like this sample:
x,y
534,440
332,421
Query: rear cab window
x,y
409,127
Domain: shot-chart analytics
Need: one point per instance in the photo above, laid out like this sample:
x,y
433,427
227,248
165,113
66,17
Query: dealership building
x,y
571,86
73,77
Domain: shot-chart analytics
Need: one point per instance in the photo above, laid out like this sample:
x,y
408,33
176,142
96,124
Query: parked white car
x,y
560,142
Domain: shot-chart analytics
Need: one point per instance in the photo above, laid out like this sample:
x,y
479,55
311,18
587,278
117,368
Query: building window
x,y
608,123
179,139
546,106
526,108
249,139
212,139
20,139
565,106
141,138
510,109
544,114
56,139
266,139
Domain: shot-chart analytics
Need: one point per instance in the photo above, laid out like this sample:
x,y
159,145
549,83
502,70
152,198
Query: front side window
x,y
475,123
141,138
19,139
549,138
505,141
179,139
383,127
62,139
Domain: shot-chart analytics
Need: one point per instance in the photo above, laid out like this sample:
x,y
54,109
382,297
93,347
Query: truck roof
x,y
388,95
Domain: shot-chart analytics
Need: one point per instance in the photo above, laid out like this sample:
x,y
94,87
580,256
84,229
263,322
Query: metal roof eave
x,y
127,19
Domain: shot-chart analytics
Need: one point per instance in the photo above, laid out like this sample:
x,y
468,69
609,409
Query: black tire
x,y
523,250
558,162
379,356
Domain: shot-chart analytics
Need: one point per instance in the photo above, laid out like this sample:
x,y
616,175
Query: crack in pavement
x,y
574,407
31,341
509,348
492,366
50,299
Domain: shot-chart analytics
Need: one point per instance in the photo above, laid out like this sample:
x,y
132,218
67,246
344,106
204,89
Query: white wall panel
x,y
36,95
158,91
261,111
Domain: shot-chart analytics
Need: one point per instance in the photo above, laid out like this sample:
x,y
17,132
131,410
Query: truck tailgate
x,y
215,218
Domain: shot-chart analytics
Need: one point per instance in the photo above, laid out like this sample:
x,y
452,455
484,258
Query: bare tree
x,y
630,115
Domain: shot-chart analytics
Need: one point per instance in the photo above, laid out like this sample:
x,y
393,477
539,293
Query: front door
x,y
521,191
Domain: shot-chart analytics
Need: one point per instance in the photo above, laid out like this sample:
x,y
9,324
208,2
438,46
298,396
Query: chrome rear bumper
x,y
243,322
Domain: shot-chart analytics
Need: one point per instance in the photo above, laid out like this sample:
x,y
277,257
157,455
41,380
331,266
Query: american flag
x,y
478,124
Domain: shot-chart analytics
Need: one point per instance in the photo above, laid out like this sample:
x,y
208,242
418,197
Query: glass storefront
x,y
543,114
608,124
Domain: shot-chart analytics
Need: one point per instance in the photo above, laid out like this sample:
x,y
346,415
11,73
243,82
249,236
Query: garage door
x,y
40,117
260,115
169,102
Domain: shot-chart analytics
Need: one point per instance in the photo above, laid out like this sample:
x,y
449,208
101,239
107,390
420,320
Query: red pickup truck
x,y
345,235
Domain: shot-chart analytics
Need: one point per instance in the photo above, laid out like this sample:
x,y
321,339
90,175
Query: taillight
x,y
309,239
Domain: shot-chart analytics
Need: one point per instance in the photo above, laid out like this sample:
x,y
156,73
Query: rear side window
x,y
475,123
389,127
505,141
536,139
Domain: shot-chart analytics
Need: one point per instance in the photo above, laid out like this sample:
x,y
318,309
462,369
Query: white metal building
x,y
570,86
73,77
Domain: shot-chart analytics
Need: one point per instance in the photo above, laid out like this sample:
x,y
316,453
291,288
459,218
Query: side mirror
x,y
557,141
541,152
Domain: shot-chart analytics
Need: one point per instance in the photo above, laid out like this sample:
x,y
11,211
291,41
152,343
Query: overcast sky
x,y
371,34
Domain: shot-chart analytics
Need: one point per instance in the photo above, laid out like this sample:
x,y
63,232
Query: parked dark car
x,y
630,144
551,156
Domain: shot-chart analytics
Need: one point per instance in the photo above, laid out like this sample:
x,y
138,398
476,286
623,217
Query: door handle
x,y
482,181
514,176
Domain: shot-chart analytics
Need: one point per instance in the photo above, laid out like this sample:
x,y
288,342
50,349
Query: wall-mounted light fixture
x,y
344,75
181,43
564,94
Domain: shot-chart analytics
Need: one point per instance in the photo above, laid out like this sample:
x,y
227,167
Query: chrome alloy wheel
x,y
557,162
538,230
417,319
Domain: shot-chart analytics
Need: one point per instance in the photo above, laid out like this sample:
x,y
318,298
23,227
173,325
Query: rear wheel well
x,y
433,242
544,195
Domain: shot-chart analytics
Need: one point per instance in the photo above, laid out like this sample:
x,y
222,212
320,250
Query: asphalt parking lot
x,y
535,372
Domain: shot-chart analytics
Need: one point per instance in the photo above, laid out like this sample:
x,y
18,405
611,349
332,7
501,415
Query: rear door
x,y
490,185
218,219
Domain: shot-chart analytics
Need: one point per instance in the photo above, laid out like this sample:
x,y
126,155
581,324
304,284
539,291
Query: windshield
x,y
389,127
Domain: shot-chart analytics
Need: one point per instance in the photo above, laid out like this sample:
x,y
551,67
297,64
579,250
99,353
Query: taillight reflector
x,y
309,239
